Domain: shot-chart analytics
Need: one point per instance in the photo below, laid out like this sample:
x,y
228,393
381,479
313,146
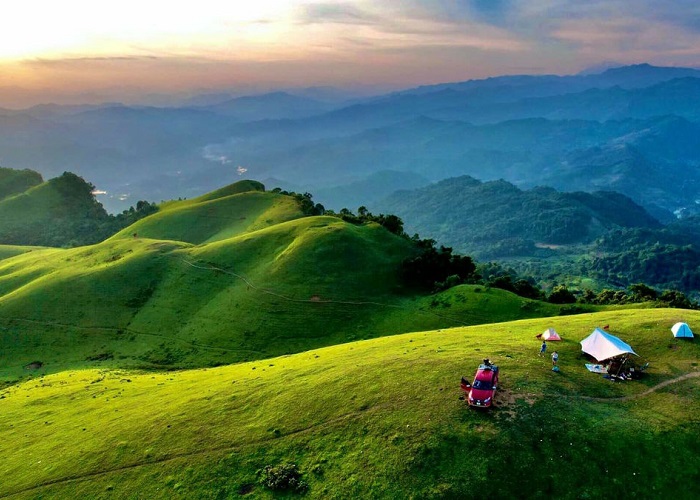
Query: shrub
x,y
285,477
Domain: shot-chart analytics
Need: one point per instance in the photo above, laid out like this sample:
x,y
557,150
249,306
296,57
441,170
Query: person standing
x,y
555,358
543,349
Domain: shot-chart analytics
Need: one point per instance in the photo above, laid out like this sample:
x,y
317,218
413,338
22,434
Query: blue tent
x,y
682,330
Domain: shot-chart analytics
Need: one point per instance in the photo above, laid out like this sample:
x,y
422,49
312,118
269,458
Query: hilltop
x,y
376,418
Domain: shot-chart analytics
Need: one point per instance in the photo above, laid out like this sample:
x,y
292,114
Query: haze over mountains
x,y
631,129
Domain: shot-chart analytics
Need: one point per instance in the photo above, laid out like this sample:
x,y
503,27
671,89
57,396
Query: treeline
x,y
391,223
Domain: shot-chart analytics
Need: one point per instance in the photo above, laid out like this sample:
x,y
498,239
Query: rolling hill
x,y
235,275
376,418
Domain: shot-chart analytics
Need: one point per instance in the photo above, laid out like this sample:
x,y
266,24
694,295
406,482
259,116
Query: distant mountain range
x,y
632,129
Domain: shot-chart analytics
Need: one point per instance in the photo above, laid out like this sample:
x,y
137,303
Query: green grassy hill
x,y
233,276
227,212
376,418
290,287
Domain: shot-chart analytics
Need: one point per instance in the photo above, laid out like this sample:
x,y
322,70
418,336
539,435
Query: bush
x,y
285,477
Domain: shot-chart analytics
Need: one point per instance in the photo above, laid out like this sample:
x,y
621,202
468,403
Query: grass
x,y
257,283
7,251
375,418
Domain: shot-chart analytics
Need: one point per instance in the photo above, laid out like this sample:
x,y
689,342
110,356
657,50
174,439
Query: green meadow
x,y
221,336
375,418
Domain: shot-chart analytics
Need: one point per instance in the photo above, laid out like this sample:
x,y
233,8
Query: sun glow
x,y
73,28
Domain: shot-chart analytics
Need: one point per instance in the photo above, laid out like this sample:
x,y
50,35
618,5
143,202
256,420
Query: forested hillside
x,y
599,239
496,219
60,212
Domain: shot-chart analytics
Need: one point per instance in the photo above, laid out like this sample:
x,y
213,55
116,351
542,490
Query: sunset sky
x,y
87,51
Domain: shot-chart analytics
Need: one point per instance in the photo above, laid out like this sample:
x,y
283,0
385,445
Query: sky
x,y
143,51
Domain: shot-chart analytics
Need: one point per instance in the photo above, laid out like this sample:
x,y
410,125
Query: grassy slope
x,y
244,284
377,418
7,251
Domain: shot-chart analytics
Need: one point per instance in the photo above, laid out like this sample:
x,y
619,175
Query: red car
x,y
480,392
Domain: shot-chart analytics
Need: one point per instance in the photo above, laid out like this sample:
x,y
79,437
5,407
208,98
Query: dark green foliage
x,y
390,222
17,181
668,258
435,265
674,298
495,275
639,292
285,477
561,295
523,287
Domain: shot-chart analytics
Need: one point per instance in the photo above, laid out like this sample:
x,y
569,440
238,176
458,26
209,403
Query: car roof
x,y
485,375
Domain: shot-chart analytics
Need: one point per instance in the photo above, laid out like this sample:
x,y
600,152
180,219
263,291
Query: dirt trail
x,y
647,392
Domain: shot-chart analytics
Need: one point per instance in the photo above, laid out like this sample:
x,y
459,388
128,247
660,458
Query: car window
x,y
481,384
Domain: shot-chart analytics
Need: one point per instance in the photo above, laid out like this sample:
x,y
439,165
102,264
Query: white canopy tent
x,y
601,345
682,330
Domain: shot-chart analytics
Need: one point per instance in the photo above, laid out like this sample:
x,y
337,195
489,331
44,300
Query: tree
x,y
561,295
674,298
642,293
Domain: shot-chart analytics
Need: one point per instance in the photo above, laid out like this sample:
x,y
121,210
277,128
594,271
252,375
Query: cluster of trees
x,y
636,293
306,202
662,258
437,268
391,223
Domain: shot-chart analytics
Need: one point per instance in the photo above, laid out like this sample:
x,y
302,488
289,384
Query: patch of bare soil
x,y
34,365
507,401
